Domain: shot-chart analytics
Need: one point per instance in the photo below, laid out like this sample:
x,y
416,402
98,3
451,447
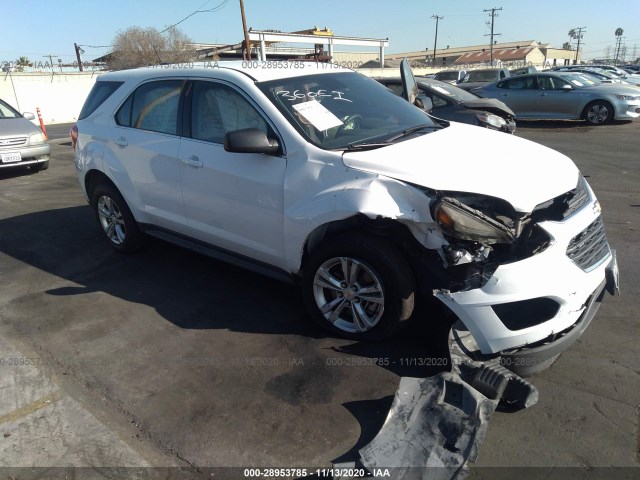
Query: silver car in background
x,y
21,142
566,96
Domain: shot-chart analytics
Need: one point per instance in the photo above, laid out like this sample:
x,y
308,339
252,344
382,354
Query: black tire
x,y
374,264
115,219
598,113
36,167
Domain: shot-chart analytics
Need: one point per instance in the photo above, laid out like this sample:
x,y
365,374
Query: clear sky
x,y
36,28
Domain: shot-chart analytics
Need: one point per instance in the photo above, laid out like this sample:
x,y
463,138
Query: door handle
x,y
121,141
192,161
543,94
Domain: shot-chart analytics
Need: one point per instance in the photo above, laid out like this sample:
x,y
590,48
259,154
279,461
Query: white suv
x,y
322,176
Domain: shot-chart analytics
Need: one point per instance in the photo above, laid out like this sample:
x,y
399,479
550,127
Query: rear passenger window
x,y
153,107
98,94
218,109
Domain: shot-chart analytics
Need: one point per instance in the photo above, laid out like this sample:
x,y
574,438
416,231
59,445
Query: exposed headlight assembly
x,y
465,223
491,120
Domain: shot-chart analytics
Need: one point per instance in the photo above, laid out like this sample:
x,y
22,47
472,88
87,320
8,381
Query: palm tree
x,y
23,62
566,46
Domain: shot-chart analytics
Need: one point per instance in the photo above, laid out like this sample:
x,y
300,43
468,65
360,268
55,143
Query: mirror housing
x,y
424,102
250,140
28,116
409,84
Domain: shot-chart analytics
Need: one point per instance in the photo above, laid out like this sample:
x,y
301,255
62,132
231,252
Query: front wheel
x,y
36,167
359,287
598,113
116,220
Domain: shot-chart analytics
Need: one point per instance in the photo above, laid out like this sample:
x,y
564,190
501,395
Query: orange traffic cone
x,y
44,130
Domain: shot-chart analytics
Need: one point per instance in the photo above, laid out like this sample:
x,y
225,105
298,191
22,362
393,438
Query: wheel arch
x,y
95,177
599,100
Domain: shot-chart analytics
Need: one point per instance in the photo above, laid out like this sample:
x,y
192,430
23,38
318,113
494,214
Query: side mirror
x,y
409,84
29,116
424,102
566,87
250,140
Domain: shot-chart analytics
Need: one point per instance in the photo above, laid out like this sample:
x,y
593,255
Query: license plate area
x,y
10,157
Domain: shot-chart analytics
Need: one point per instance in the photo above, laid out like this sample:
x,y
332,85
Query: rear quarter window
x,y
99,93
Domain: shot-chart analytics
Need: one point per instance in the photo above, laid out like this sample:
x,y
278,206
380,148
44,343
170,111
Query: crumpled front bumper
x,y
548,278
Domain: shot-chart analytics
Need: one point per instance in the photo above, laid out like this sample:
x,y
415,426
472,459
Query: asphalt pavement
x,y
179,360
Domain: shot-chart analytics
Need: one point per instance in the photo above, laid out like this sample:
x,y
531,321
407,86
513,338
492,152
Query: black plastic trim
x,y
218,253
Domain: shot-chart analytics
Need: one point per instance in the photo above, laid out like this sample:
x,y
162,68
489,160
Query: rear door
x,y
146,142
233,200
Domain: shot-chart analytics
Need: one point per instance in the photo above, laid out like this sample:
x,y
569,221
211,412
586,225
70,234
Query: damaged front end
x,y
522,281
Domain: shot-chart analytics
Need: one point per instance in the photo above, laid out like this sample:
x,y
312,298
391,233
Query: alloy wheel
x,y
349,294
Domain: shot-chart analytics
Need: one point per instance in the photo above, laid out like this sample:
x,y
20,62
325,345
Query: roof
x,y
442,51
257,70
503,54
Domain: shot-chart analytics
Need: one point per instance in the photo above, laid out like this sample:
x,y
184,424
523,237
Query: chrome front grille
x,y
590,246
8,142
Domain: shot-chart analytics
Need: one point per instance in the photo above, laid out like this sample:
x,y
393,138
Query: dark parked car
x,y
452,103
21,142
566,95
479,78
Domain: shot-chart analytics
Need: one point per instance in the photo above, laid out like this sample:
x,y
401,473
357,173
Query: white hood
x,y
466,158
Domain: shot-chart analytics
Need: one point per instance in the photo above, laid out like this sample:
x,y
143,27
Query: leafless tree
x,y
138,47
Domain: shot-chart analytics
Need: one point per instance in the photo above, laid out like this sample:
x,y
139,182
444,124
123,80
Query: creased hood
x,y
488,103
466,158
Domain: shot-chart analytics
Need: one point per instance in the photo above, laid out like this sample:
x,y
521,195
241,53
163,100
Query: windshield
x,y
7,111
450,75
581,80
481,76
339,110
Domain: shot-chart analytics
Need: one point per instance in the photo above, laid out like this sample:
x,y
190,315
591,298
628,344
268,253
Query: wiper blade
x,y
366,146
411,130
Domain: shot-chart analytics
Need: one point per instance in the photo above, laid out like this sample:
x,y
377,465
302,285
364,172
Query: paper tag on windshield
x,y
317,115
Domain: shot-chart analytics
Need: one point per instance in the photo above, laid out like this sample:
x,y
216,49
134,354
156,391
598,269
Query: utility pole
x,y
435,41
579,37
247,45
493,15
78,52
50,57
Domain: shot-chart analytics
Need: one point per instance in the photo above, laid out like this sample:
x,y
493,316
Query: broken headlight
x,y
464,222
491,120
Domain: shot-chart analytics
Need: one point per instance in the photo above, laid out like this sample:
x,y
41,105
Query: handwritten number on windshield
x,y
298,95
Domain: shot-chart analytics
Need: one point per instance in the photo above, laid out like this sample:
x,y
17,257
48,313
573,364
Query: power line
x,y
218,7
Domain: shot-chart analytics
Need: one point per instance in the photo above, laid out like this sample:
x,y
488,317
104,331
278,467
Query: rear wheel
x,y
359,287
115,219
598,113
